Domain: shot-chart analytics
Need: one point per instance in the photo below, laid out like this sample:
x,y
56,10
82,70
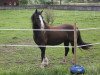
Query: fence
x,y
47,30
57,7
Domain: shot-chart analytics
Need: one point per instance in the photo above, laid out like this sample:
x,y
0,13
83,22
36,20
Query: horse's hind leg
x,y
43,58
66,51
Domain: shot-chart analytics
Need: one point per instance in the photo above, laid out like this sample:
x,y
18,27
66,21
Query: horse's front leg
x,y
44,59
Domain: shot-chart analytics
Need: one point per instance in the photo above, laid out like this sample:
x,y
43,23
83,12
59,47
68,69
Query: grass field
x,y
26,60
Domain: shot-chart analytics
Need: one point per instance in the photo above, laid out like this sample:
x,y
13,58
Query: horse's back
x,y
58,37
63,26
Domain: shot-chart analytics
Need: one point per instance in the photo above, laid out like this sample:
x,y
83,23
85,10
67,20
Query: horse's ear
x,y
41,11
36,11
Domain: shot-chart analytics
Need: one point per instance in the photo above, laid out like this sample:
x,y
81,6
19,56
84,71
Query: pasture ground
x,y
26,60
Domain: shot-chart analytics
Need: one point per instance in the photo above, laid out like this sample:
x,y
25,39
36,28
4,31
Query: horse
x,y
44,37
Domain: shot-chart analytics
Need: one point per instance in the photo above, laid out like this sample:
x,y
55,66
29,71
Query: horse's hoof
x,y
63,61
45,62
72,62
41,66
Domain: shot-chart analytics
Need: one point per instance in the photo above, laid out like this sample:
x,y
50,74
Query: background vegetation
x,y
56,1
26,60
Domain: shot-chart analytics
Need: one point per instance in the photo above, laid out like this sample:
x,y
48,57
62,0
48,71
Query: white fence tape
x,y
36,29
31,46
48,29
6,45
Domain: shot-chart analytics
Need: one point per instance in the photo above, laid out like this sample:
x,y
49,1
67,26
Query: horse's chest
x,y
40,39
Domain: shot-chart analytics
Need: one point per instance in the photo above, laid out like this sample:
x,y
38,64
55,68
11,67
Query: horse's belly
x,y
56,37
54,42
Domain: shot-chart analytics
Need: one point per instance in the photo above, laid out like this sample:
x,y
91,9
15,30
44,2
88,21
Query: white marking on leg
x,y
64,60
44,62
42,23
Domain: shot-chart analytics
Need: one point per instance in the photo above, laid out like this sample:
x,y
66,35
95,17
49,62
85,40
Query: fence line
x,y
37,29
49,29
32,46
5,45
57,7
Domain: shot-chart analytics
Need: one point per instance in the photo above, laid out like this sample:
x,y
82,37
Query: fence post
x,y
75,43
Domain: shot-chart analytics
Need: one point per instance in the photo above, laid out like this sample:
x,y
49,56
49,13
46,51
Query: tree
x,y
30,2
60,2
23,2
49,16
45,2
52,1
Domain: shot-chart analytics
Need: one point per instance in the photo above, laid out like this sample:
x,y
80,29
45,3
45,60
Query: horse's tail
x,y
81,43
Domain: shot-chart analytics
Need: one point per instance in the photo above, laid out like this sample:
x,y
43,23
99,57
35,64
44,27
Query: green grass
x,y
26,60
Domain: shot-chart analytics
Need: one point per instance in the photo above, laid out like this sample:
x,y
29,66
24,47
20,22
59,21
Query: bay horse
x,y
43,38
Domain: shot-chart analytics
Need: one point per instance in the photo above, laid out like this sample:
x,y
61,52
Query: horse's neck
x,y
46,25
35,26
39,33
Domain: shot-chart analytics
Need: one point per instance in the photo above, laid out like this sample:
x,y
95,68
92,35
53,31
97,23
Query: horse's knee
x,y
66,51
42,52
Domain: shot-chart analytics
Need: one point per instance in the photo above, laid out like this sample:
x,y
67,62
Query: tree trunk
x,y
60,2
85,1
52,2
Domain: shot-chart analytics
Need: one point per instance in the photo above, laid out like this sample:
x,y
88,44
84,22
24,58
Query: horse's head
x,y
37,19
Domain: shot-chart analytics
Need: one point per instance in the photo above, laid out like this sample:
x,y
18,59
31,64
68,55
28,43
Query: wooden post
x,y
75,43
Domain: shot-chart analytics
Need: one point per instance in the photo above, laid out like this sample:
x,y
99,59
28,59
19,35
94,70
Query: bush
x,y
23,2
49,16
